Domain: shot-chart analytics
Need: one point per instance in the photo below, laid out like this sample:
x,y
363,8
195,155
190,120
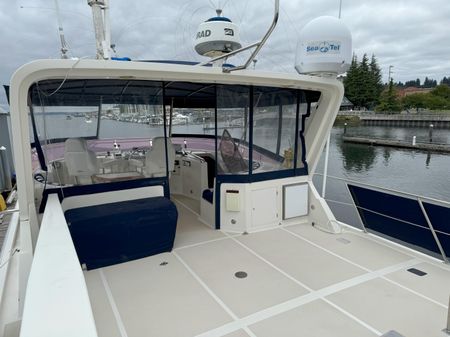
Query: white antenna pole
x,y
327,146
103,47
325,168
64,48
107,27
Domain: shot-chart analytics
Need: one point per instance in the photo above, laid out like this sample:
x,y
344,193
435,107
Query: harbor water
x,y
421,173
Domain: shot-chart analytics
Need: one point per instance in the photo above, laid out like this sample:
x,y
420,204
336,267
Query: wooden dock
x,y
397,143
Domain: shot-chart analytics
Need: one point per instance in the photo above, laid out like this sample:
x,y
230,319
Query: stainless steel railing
x,y
447,328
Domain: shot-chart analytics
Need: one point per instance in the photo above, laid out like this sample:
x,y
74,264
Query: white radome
x,y
324,47
216,37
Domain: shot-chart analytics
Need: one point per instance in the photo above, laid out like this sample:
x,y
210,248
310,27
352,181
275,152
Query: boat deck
x,y
300,282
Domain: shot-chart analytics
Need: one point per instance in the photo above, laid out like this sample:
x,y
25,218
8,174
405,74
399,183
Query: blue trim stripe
x,y
218,18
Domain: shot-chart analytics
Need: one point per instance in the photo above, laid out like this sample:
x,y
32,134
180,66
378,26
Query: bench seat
x,y
117,232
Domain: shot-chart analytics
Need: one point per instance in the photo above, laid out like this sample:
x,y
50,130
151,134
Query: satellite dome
x,y
324,48
217,36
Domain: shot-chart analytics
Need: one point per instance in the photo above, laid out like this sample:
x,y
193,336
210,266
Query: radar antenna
x,y
258,46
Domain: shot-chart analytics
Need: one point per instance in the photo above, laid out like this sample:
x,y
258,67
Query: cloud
x,y
410,35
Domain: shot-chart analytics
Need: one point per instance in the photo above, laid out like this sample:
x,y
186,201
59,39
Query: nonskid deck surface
x,y
300,282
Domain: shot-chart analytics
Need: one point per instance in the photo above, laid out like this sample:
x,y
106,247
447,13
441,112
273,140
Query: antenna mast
x,y
64,48
100,15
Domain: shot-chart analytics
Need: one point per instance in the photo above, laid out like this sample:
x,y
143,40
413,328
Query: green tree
x,y
389,102
363,84
415,101
441,91
429,83
434,102
375,82
437,99
350,82
411,83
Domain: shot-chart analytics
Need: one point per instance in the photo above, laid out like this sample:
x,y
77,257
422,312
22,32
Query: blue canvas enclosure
x,y
113,233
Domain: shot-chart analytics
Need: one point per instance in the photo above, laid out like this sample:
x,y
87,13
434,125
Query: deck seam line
x,y
204,242
419,260
327,250
272,265
211,293
302,300
113,305
364,324
350,315
414,292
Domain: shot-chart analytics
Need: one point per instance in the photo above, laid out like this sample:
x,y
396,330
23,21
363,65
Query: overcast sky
x,y
411,35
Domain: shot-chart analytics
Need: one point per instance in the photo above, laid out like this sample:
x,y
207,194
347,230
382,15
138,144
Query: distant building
x,y
413,90
346,105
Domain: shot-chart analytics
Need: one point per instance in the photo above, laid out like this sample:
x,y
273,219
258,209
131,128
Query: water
x,y
417,172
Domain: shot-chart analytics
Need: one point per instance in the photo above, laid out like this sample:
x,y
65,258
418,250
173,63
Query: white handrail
x,y
7,253
57,302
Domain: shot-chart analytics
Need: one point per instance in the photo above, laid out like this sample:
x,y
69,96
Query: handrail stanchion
x,y
357,211
432,231
325,169
447,328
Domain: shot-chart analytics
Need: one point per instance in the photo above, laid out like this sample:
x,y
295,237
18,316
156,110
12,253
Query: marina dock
x,y
397,143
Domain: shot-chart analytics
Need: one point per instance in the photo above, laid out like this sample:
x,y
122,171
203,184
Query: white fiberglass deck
x,y
301,282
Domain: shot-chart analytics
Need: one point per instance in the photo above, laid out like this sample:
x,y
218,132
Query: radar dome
x,y
217,36
324,48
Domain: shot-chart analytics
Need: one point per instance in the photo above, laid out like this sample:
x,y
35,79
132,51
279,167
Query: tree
x,y
445,80
416,101
350,82
375,81
389,101
437,99
363,84
441,91
412,83
429,83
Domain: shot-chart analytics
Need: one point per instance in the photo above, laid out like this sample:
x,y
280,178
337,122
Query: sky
x,y
411,35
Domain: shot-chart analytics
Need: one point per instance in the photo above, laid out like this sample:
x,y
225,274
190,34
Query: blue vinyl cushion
x,y
208,195
112,233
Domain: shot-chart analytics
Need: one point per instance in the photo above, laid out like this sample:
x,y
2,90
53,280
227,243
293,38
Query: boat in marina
x,y
215,231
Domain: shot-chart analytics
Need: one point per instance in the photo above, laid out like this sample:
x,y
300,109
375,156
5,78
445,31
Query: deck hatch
x,y
417,272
